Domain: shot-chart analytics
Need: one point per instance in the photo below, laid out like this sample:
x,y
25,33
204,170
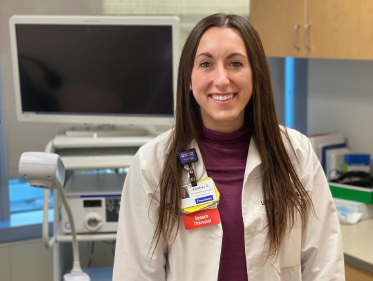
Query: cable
x,y
112,243
113,249
92,249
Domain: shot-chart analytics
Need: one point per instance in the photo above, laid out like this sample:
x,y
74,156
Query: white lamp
x,y
46,170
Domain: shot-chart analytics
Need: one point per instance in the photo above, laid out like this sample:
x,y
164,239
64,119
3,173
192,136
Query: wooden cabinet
x,y
280,25
339,29
354,273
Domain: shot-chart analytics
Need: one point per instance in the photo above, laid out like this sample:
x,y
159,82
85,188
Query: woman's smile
x,y
222,98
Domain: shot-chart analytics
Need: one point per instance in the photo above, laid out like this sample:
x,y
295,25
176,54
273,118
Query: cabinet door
x,y
341,29
275,20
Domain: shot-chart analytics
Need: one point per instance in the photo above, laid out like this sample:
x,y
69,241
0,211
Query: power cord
x,y
92,249
112,243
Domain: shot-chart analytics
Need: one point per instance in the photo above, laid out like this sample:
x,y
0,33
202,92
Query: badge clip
x,y
189,156
186,158
192,175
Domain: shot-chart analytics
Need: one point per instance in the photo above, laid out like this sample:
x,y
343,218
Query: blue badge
x,y
203,200
188,156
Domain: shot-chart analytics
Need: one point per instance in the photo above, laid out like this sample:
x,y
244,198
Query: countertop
x,y
358,244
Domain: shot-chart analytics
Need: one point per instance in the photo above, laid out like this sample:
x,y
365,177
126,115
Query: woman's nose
x,y
221,78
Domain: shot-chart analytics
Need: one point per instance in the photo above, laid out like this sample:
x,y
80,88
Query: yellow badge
x,y
209,205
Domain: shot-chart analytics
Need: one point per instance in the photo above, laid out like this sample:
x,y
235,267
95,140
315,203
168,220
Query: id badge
x,y
202,194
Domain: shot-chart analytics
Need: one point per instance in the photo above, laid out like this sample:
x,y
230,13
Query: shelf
x,y
96,162
65,238
82,151
75,142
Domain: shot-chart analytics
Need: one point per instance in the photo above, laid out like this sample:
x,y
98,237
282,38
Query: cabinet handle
x,y
306,27
295,28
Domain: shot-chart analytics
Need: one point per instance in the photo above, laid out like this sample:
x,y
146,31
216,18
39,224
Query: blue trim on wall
x,y
24,226
4,190
25,232
289,92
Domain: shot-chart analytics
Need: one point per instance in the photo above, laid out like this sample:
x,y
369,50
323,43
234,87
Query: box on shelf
x,y
366,210
350,192
356,162
335,161
321,143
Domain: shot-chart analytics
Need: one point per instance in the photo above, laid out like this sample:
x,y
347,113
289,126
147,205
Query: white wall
x,y
22,137
27,260
31,261
277,68
340,98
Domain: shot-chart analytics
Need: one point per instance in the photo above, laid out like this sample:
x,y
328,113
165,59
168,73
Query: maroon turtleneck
x,y
225,162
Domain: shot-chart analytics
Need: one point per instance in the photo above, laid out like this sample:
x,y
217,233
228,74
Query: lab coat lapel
x,y
253,158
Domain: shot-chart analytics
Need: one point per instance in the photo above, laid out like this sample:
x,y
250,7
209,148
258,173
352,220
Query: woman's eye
x,y
205,64
236,63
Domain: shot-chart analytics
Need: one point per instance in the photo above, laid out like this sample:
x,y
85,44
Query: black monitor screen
x,y
95,69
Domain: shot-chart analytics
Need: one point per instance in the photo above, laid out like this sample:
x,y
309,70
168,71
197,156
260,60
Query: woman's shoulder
x,y
153,153
295,139
298,147
159,144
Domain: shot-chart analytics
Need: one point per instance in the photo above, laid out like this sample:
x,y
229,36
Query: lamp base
x,y
76,277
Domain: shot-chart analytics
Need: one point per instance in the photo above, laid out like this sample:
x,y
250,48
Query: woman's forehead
x,y
221,39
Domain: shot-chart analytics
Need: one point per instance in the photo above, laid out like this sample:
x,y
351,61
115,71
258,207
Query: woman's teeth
x,y
222,97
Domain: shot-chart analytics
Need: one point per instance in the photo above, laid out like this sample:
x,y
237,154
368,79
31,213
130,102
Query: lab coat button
x,y
252,230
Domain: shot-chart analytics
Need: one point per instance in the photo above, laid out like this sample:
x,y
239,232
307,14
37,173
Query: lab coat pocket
x,y
289,255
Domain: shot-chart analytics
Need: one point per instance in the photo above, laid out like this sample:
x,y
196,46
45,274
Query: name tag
x,y
201,218
203,193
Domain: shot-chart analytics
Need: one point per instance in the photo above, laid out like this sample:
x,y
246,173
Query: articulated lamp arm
x,y
47,171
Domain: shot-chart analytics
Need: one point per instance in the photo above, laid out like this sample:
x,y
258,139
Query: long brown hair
x,y
281,185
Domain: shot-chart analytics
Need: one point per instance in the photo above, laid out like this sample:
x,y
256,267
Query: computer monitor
x,y
95,69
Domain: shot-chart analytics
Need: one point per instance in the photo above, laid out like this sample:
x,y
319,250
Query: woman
x,y
278,220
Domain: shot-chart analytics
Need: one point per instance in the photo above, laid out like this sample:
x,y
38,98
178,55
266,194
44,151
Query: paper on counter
x,y
347,216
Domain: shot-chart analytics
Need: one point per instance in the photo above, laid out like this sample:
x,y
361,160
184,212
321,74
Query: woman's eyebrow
x,y
207,54
235,54
204,54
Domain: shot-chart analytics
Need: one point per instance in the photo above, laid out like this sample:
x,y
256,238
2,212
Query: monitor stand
x,y
106,135
104,131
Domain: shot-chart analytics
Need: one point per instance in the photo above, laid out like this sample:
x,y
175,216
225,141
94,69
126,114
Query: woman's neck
x,y
224,127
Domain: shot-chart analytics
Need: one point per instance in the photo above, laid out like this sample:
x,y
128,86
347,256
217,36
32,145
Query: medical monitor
x,y
95,69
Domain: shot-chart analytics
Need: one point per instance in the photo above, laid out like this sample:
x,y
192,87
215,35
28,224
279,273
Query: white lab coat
x,y
309,255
